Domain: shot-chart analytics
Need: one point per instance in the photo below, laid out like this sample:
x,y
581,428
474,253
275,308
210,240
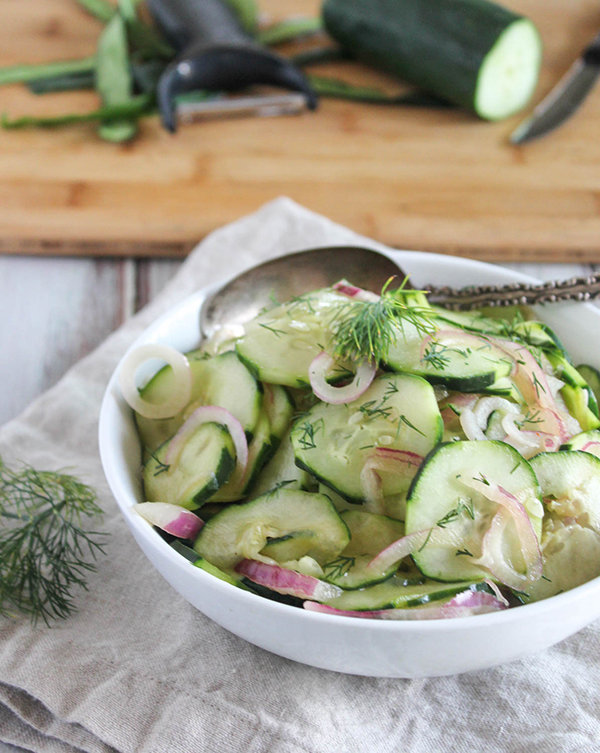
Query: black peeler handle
x,y
215,54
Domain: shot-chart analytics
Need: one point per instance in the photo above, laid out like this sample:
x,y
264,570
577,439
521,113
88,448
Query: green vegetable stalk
x,y
113,79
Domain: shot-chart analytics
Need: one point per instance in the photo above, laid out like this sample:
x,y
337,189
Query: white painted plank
x,y
54,312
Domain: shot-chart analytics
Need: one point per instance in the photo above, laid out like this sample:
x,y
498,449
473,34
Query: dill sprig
x,y
44,550
365,330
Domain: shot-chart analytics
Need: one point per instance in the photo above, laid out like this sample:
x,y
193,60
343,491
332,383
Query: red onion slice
x,y
592,447
401,548
182,389
358,294
493,557
211,414
389,460
285,581
465,604
338,395
173,519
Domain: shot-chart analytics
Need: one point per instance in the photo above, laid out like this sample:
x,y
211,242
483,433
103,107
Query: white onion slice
x,y
212,414
358,294
338,395
487,405
182,389
173,519
285,581
465,604
471,427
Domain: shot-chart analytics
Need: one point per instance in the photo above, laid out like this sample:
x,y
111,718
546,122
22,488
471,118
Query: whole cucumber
x,y
473,53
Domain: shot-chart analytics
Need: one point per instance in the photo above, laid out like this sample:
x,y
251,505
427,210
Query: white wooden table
x,y
55,311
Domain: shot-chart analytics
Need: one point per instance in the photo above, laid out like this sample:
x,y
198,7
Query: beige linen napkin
x,y
138,669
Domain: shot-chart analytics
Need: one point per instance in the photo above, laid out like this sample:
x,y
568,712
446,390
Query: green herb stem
x,y
137,106
20,74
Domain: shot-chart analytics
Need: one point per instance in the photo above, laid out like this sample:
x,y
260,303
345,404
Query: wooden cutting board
x,y
412,178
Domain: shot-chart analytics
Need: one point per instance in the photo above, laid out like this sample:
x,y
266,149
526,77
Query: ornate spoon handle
x,y
477,296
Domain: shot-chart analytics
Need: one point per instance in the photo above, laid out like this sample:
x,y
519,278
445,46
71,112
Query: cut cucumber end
x,y
509,74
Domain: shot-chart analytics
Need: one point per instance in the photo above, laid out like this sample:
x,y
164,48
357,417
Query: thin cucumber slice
x,y
279,345
222,381
577,394
279,408
400,592
242,531
227,577
587,441
592,377
259,450
570,484
281,471
571,556
340,504
333,442
442,496
459,360
472,321
204,464
369,535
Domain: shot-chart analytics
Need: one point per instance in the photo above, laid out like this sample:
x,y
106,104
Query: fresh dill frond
x,y
339,567
366,330
45,551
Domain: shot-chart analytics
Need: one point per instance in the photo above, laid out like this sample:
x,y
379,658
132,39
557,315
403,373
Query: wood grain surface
x,y
413,178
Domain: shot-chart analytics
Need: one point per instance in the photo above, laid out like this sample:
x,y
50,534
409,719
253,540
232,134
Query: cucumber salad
x,y
373,455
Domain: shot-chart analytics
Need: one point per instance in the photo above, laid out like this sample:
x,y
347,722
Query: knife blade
x,y
564,99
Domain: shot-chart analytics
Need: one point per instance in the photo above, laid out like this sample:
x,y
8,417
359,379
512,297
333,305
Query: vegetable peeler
x,y
215,54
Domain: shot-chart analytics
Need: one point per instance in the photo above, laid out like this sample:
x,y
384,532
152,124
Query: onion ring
x,y
182,389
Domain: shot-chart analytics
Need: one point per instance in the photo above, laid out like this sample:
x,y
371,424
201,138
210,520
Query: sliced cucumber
x,y
369,535
587,441
570,484
222,381
442,496
259,451
333,442
227,577
459,360
281,471
474,53
204,464
577,394
340,504
279,345
571,556
242,531
472,321
279,408
592,377
399,592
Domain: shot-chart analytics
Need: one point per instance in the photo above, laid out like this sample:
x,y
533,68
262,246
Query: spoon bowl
x,y
241,299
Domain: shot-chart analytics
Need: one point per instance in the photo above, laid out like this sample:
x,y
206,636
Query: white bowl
x,y
347,644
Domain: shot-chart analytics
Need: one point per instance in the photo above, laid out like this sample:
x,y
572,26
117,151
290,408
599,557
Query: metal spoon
x,y
280,279
294,274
